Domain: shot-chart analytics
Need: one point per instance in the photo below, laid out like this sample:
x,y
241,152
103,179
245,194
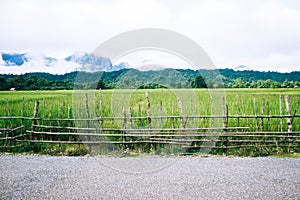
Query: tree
x,y
198,82
3,84
100,84
239,83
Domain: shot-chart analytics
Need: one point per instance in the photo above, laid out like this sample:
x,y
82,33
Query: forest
x,y
166,78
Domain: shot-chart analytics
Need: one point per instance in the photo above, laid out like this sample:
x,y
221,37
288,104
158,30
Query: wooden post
x,y
173,119
298,104
7,108
212,112
180,113
269,119
224,114
149,117
254,103
244,108
148,110
58,113
50,112
124,128
238,109
280,107
87,118
34,122
100,102
44,107
288,113
69,116
192,111
130,114
262,113
140,115
161,114
224,121
23,114
87,110
8,114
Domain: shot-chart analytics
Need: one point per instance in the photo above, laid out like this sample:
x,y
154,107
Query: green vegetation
x,y
63,104
133,79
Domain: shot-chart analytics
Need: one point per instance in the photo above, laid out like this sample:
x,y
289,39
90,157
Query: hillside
x,y
132,78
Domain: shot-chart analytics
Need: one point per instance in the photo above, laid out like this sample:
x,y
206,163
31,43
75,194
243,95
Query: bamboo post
x,y
23,114
192,111
58,121
34,122
298,104
148,110
100,102
212,114
124,128
69,116
50,112
78,111
140,115
255,114
288,119
44,107
87,117
8,114
173,119
262,113
161,114
180,113
131,124
224,114
173,126
288,113
269,119
149,117
58,113
95,102
130,114
58,109
280,108
87,110
244,108
224,121
238,109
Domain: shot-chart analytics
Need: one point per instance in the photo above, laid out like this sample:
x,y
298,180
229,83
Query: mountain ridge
x,y
20,63
133,78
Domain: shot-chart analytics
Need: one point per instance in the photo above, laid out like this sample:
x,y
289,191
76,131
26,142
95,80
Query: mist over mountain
x,y
14,59
20,63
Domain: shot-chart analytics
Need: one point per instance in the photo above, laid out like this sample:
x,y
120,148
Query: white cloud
x,y
36,63
232,32
2,62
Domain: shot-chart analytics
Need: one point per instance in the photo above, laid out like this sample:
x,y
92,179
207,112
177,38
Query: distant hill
x,y
17,63
133,78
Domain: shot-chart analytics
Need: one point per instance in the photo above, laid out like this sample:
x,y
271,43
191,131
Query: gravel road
x,y
49,177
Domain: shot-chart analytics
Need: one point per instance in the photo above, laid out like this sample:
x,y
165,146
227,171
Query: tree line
x,y
167,78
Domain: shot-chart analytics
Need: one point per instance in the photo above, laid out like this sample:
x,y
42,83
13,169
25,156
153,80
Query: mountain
x,y
242,68
49,61
93,63
20,63
14,59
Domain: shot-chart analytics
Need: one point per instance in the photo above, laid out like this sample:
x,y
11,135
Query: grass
x,y
164,102
287,155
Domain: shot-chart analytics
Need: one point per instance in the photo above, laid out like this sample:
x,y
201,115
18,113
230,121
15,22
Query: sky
x,y
262,35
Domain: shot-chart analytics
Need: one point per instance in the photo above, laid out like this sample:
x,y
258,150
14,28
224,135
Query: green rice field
x,y
240,109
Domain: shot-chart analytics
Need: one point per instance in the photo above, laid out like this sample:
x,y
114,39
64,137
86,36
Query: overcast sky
x,y
262,34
